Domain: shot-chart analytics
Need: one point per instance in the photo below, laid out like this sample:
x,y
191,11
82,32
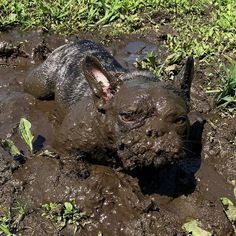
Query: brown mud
x,y
157,202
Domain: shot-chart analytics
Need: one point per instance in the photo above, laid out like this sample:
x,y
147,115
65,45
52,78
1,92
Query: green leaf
x,y
193,227
52,205
231,213
100,233
26,134
235,192
226,202
230,209
68,206
5,229
9,146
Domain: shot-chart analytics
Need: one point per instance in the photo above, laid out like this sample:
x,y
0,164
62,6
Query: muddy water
x,y
157,202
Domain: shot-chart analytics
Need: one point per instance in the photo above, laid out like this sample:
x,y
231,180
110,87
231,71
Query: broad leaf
x,y
26,134
230,210
193,227
68,206
10,147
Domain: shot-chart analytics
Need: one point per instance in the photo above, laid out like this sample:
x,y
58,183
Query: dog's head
x,y
146,120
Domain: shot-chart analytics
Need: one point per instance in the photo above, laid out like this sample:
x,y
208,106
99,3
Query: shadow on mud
x,y
175,179
38,143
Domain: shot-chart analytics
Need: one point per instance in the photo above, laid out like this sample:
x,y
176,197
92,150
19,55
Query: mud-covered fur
x,y
107,109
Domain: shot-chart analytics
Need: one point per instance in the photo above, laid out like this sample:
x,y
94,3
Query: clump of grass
x,y
8,225
150,62
226,95
65,213
212,34
162,69
81,14
5,225
71,15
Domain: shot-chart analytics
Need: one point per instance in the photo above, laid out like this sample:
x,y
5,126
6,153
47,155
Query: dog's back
x,y
61,74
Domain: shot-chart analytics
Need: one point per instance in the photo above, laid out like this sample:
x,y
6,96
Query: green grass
x,y
205,37
65,213
5,225
82,14
226,95
194,34
202,28
8,226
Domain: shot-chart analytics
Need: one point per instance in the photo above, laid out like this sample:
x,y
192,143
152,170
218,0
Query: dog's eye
x,y
128,117
180,120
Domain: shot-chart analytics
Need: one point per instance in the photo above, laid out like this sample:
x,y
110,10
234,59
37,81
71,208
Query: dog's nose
x,y
156,128
155,133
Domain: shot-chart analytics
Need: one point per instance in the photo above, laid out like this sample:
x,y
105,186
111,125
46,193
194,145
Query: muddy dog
x,y
107,109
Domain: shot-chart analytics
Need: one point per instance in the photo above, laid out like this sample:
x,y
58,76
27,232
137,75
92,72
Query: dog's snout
x,y
156,128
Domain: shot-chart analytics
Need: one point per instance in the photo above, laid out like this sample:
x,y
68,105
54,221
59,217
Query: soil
x,y
154,202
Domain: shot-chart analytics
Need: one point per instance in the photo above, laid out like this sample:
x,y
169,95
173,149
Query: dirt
x,y
154,202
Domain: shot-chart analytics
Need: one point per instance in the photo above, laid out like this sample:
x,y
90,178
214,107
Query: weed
x,y
194,228
150,62
25,132
230,209
226,94
205,37
27,136
65,213
5,225
71,15
163,70
9,146
82,14
8,225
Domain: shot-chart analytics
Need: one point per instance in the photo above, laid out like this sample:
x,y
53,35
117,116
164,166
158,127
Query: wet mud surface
x,y
155,202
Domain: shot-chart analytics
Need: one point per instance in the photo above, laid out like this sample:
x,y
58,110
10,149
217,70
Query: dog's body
x,y
109,109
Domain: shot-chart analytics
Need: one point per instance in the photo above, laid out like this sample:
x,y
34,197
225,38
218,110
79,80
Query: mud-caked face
x,y
151,124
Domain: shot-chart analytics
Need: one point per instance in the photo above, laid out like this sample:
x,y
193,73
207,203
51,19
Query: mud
x,y
153,202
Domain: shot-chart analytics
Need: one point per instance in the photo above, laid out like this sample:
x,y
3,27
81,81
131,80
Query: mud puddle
x,y
156,203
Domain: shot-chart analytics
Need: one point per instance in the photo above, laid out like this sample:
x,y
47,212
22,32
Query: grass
x,y
226,96
65,213
226,93
202,28
8,225
81,14
5,225
205,37
194,35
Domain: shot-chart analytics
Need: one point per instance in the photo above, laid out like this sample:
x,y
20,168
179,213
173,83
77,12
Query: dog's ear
x,y
102,82
184,79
